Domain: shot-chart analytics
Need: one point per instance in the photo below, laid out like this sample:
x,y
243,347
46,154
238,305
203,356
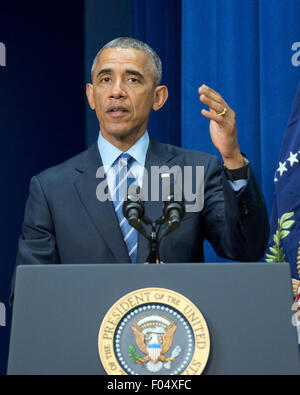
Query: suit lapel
x,y
102,214
157,155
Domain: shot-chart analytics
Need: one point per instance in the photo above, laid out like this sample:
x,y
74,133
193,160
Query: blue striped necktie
x,y
123,180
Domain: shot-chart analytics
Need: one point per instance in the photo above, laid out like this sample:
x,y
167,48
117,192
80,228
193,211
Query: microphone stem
x,y
153,255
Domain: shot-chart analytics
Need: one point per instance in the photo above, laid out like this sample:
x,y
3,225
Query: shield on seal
x,y
154,351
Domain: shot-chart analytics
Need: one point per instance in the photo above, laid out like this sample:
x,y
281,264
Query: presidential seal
x,y
154,331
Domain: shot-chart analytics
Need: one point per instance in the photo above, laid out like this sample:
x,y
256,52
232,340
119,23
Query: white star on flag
x,y
293,158
282,168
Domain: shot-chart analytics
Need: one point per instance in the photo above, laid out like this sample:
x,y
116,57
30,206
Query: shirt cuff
x,y
237,174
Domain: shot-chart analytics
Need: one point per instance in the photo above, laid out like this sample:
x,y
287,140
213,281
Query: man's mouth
x,y
117,111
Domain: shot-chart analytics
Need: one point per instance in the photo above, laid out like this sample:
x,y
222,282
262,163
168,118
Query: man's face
x,y
123,92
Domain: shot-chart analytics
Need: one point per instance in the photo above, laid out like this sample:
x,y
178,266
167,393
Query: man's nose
x,y
117,90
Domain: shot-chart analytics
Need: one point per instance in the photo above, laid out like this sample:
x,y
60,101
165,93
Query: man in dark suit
x,y
65,222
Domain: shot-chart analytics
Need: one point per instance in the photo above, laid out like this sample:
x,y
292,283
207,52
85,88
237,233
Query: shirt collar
x,y
109,153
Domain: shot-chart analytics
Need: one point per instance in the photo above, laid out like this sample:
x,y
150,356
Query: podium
x,y
58,311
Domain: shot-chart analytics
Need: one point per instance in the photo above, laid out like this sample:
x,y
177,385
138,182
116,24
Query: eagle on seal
x,y
155,343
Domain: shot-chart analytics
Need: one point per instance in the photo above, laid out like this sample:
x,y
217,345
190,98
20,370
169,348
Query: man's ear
x,y
161,94
90,95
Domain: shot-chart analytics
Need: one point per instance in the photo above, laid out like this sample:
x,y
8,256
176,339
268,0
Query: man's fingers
x,y
213,116
216,104
212,104
213,100
209,92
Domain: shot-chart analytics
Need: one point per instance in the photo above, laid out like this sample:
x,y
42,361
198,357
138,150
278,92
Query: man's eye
x,y
133,79
105,79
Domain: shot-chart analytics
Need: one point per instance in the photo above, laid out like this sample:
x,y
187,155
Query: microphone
x,y
133,208
173,211
134,212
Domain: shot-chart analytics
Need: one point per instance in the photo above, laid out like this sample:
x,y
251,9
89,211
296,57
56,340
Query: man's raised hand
x,y
222,127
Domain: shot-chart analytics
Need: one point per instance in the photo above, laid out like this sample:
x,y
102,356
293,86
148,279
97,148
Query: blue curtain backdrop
x,y
242,49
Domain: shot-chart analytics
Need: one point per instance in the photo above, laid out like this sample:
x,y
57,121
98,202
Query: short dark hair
x,y
126,42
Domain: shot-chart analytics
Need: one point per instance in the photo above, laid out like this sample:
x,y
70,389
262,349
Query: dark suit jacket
x,y
65,223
